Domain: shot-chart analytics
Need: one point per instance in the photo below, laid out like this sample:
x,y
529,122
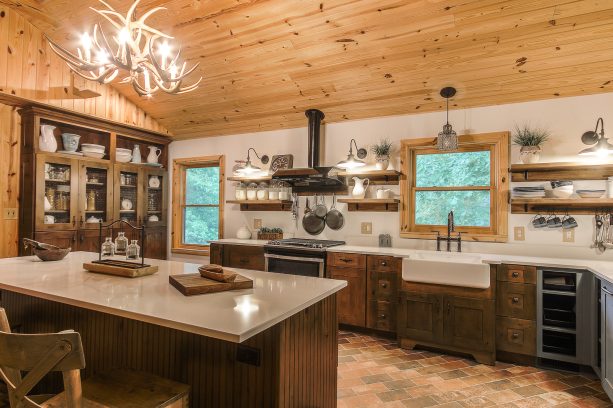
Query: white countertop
x,y
603,269
233,315
236,241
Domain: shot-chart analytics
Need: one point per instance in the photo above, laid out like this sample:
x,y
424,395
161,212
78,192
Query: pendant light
x,y
448,138
601,146
351,162
249,169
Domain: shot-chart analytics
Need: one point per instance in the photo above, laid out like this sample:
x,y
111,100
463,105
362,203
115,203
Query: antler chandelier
x,y
142,51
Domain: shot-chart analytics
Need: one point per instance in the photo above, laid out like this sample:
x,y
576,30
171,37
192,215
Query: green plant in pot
x,y
382,152
530,139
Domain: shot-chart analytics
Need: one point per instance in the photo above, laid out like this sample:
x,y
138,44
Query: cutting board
x,y
194,284
120,271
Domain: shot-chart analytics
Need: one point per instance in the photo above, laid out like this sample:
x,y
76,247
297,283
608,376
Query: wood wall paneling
x,y
30,70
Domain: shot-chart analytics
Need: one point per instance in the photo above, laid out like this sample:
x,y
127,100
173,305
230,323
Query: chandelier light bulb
x,y
124,36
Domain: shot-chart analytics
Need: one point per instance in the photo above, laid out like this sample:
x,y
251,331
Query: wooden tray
x,y
120,271
194,284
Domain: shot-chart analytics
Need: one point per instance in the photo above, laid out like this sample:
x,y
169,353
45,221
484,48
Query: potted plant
x,y
382,151
270,233
530,140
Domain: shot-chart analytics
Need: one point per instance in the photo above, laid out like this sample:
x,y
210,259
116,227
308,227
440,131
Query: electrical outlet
x,y
568,235
367,228
519,233
10,213
257,223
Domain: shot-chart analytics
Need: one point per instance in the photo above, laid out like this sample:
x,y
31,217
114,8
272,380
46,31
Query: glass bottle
x,y
262,193
133,251
252,191
273,191
108,248
240,192
121,243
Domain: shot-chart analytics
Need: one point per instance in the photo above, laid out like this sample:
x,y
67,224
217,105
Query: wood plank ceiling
x,y
265,61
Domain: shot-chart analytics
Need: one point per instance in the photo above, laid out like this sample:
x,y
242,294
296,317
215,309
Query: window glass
x,y
470,208
452,169
202,185
201,225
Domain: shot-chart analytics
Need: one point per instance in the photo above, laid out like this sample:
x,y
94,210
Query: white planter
x,y
530,154
383,162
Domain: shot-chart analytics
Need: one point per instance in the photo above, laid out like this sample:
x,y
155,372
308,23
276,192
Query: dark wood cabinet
x,y
243,256
215,254
62,239
469,323
382,292
420,317
155,243
350,301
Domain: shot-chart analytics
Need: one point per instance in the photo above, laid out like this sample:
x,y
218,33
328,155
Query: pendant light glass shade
x,y
448,138
249,169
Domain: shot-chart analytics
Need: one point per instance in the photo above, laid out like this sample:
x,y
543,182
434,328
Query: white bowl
x,y
93,154
122,150
92,147
590,194
121,158
561,193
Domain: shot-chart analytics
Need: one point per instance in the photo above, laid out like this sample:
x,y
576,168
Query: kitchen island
x,y
271,346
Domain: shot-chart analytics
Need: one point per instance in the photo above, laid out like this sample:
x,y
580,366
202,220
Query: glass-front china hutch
x,y
78,171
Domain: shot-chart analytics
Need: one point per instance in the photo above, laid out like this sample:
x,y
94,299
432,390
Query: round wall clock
x,y
281,162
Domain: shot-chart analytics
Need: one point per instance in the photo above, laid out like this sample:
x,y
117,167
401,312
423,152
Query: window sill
x,y
465,236
191,251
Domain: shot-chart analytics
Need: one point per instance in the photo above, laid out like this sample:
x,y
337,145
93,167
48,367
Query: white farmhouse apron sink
x,y
452,269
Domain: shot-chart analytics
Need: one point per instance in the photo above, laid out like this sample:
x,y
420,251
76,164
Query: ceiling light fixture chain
x,y
132,48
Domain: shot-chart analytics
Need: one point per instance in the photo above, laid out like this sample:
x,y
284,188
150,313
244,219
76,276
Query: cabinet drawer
x,y
516,300
382,263
382,285
517,273
516,335
382,315
242,256
343,259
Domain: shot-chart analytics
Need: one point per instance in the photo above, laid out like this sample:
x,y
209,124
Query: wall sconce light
x,y
601,146
351,162
249,169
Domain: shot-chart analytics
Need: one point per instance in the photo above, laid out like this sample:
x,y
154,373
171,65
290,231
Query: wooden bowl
x,y
51,254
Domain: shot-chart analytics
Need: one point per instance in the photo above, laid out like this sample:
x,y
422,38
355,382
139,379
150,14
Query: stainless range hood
x,y
315,178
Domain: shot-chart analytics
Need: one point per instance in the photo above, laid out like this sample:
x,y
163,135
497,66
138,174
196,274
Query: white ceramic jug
x,y
46,141
136,154
154,154
243,233
359,190
384,193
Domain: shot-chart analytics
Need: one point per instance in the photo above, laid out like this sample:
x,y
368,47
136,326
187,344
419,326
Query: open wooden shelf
x,y
572,205
371,204
262,205
560,171
253,179
376,177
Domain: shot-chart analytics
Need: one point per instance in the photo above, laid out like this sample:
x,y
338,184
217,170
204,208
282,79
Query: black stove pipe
x,y
315,117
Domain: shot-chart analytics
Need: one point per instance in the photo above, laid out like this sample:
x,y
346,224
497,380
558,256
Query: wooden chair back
x,y
38,355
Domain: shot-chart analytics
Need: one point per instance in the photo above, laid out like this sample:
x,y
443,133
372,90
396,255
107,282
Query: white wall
x,y
566,118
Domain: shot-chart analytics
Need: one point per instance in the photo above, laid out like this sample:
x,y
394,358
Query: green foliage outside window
x,y
201,213
461,169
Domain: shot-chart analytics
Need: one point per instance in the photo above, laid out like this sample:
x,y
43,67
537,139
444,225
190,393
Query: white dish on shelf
x,y
590,193
153,164
92,147
123,158
72,153
126,204
96,155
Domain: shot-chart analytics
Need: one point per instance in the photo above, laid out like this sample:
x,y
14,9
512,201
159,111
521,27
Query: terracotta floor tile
x,y
449,396
348,382
419,402
591,402
557,397
450,375
575,380
422,390
362,401
532,402
528,390
450,385
399,384
500,385
581,391
477,402
553,385
501,397
369,388
377,378
394,395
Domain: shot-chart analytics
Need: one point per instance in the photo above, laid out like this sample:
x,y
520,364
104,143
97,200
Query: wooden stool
x,y
39,354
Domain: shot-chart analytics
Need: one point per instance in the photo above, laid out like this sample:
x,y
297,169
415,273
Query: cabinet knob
x,y
515,335
384,285
345,260
382,316
515,274
515,299
383,263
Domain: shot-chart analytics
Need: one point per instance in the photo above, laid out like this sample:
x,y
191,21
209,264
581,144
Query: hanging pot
x,y
335,219
320,208
311,223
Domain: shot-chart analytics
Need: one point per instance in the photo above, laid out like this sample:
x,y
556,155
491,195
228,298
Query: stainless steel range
x,y
296,256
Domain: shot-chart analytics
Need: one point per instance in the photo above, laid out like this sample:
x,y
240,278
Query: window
x,y
197,203
470,181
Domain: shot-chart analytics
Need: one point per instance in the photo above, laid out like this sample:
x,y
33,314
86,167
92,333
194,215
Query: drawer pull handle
x,y
383,263
384,285
382,316
515,274
515,299
345,260
515,335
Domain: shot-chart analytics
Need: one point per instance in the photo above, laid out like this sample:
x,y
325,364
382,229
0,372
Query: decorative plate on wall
x,y
281,161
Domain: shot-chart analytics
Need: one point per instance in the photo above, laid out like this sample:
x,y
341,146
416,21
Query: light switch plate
x,y
257,223
10,213
367,228
519,233
568,235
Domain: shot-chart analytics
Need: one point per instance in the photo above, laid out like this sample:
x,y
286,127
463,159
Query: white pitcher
x,y
154,154
46,141
359,190
136,154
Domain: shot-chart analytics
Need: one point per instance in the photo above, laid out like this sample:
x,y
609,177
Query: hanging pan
x,y
334,218
311,223
320,207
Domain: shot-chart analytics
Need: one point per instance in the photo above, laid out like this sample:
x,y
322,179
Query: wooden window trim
x,y
178,201
498,143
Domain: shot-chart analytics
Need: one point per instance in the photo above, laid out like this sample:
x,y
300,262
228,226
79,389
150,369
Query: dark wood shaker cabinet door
x,y
419,317
470,323
215,254
243,256
155,243
351,300
89,240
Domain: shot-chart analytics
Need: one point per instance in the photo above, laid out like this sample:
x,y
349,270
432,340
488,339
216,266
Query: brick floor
x,y
374,372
